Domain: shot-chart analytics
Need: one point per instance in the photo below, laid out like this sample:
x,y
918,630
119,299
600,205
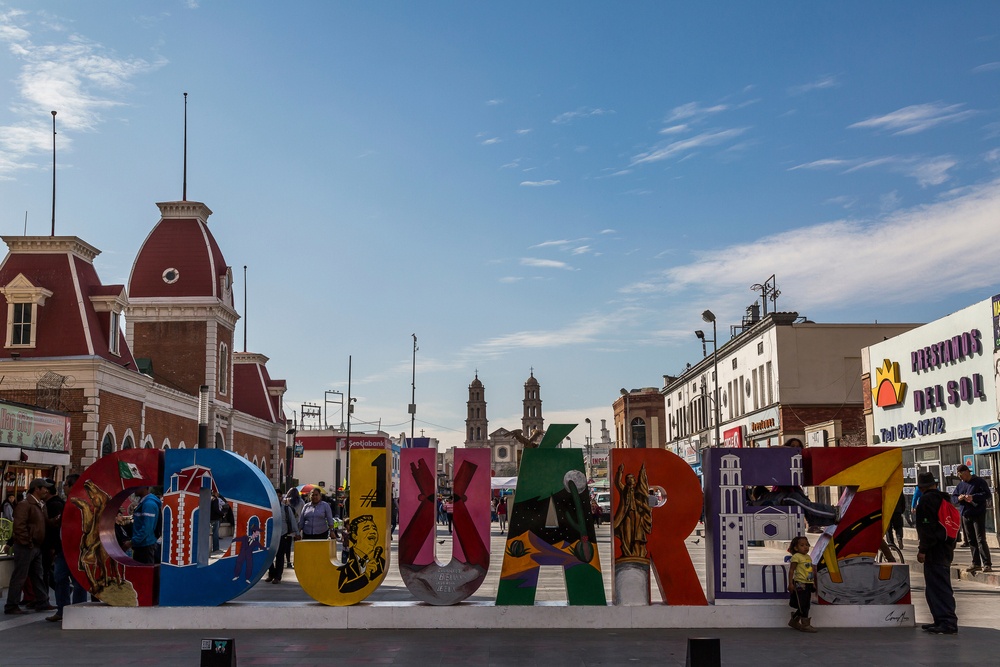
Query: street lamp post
x,y
289,437
413,396
590,444
709,316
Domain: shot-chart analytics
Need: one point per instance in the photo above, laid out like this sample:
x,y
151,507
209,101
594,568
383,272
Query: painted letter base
x,y
470,615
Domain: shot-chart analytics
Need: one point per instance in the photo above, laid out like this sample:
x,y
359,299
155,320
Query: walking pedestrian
x,y
935,551
29,535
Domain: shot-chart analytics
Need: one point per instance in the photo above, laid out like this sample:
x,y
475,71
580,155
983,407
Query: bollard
x,y
218,652
704,652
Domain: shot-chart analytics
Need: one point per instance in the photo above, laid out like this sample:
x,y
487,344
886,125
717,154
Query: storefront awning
x,y
10,453
47,458
40,457
503,482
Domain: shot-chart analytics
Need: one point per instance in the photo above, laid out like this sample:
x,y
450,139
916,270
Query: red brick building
x,y
65,349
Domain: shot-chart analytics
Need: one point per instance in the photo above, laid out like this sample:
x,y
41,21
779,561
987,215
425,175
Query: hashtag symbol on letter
x,y
367,499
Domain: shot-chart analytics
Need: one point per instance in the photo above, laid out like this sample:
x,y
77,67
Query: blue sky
x,y
557,186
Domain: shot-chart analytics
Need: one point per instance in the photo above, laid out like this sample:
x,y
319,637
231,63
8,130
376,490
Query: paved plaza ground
x,y
29,640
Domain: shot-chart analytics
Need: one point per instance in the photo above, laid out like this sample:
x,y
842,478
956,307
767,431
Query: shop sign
x,y
361,442
763,422
31,429
689,452
986,439
908,430
733,437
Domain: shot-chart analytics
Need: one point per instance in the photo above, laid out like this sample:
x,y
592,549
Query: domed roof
x,y
477,382
180,257
531,381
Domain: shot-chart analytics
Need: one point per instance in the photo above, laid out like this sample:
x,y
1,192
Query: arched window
x,y
108,444
127,443
219,442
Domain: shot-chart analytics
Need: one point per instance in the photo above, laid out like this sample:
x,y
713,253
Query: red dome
x,y
180,257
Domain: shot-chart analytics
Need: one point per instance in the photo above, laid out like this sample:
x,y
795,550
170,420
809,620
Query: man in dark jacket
x,y
935,550
29,535
971,495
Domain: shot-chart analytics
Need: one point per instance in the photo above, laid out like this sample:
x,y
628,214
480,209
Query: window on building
x,y
734,364
760,347
638,433
756,398
127,443
113,333
770,385
23,300
21,324
501,452
223,369
107,445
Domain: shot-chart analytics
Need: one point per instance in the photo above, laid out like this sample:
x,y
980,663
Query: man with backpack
x,y
937,528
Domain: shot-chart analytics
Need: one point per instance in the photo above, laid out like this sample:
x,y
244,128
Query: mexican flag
x,y
128,470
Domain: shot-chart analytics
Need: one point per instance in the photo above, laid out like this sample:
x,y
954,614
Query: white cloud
x,y
580,113
539,184
822,83
545,263
78,78
675,129
582,250
695,111
916,118
490,142
522,131
926,171
588,329
854,262
680,147
987,67
550,244
494,102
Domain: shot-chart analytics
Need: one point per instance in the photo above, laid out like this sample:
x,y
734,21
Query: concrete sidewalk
x,y
29,640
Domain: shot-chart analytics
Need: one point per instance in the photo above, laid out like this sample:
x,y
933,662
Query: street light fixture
x,y
709,316
590,444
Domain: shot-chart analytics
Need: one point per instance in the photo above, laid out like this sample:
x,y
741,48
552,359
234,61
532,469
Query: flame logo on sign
x,y
888,390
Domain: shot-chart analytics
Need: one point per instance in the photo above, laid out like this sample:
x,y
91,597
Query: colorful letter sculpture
x,y
341,584
188,577
88,529
551,524
185,577
844,553
643,534
731,523
847,572
427,579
